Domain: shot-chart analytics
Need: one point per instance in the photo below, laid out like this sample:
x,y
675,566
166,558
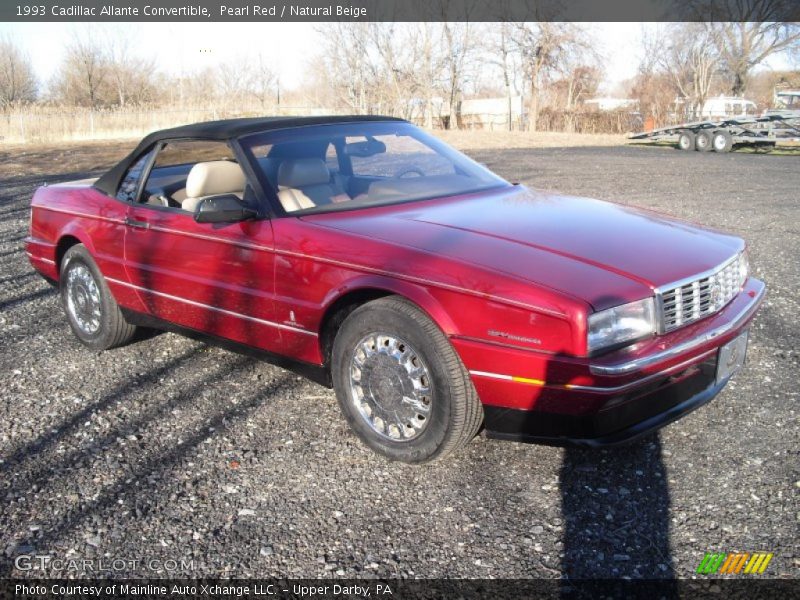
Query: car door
x,y
214,278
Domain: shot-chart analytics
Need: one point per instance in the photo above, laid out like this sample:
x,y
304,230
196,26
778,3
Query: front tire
x,y
400,384
92,312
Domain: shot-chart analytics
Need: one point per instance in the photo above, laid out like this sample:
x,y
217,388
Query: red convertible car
x,y
435,297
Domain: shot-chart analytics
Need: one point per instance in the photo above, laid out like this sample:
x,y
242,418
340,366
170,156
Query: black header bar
x,y
398,10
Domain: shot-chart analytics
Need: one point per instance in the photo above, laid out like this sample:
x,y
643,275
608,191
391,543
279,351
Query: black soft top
x,y
220,130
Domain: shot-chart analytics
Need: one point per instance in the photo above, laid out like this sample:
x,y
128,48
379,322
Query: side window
x,y
190,152
166,184
130,183
404,156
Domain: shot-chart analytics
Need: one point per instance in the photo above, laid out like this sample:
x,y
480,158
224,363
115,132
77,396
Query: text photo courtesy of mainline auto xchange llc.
x,y
449,299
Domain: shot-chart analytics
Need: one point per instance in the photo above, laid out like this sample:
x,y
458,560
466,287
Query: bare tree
x,y
744,45
500,51
130,75
504,50
459,48
653,89
392,44
428,60
544,47
84,71
689,55
18,84
228,81
260,80
578,68
345,65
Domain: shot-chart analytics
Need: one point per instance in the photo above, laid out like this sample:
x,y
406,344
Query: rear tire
x,y
400,384
92,312
686,140
722,141
702,141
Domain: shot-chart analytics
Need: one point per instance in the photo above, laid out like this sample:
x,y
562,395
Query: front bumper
x,y
627,419
608,400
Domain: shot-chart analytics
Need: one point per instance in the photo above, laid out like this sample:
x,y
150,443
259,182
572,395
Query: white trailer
x,y
724,136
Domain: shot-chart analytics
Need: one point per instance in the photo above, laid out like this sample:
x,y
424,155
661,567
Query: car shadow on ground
x,y
615,505
142,482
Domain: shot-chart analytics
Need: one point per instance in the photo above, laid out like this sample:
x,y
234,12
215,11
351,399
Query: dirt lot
x,y
170,449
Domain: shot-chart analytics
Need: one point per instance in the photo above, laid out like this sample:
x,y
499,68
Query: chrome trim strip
x,y
330,261
210,238
79,214
492,375
703,275
600,389
647,379
214,308
39,258
32,240
645,361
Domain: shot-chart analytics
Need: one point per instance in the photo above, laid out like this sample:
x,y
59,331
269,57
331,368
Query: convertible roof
x,y
220,130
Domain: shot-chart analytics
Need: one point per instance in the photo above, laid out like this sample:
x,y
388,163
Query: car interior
x,y
311,174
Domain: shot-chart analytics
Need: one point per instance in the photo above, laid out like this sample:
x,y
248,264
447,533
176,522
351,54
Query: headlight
x,y
744,268
621,324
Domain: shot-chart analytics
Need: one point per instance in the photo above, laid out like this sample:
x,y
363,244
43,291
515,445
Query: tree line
x,y
418,70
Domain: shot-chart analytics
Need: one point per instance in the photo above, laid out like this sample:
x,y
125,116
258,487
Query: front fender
x,y
415,293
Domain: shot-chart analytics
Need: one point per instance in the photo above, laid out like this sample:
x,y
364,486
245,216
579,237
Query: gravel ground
x,y
172,450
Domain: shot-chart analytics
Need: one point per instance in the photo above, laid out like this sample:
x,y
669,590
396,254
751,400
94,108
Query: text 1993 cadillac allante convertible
x,y
434,296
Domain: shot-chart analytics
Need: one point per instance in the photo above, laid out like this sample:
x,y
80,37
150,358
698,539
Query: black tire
x,y
112,329
702,141
686,140
722,141
455,412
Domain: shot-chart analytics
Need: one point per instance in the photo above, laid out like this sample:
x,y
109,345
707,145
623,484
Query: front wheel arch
x,y
357,293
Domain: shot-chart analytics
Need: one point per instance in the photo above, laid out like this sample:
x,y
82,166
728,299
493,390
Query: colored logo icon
x,y
734,564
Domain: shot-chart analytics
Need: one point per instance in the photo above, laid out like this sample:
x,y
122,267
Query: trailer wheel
x,y
722,141
702,141
686,140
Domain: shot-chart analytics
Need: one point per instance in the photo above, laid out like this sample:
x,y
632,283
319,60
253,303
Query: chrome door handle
x,y
134,223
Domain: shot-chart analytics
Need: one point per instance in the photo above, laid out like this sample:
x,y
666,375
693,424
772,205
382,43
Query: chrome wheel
x,y
83,299
390,387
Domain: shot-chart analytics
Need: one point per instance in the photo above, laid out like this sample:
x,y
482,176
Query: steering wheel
x,y
412,172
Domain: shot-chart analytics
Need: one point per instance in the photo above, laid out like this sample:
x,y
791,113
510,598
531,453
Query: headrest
x,y
214,177
302,172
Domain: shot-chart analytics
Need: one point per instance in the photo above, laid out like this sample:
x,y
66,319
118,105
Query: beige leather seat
x,y
305,183
212,178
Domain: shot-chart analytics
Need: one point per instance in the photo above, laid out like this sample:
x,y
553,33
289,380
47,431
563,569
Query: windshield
x,y
336,167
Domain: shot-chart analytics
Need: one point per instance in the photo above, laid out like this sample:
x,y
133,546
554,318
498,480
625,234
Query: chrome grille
x,y
694,299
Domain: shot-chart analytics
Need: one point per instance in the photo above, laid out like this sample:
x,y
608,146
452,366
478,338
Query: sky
x,y
187,47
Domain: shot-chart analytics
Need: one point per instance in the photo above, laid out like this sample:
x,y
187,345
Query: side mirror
x,y
226,208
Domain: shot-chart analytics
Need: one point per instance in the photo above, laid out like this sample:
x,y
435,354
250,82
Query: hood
x,y
600,252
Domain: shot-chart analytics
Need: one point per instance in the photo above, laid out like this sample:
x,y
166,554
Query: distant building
x,y
609,103
721,107
491,113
